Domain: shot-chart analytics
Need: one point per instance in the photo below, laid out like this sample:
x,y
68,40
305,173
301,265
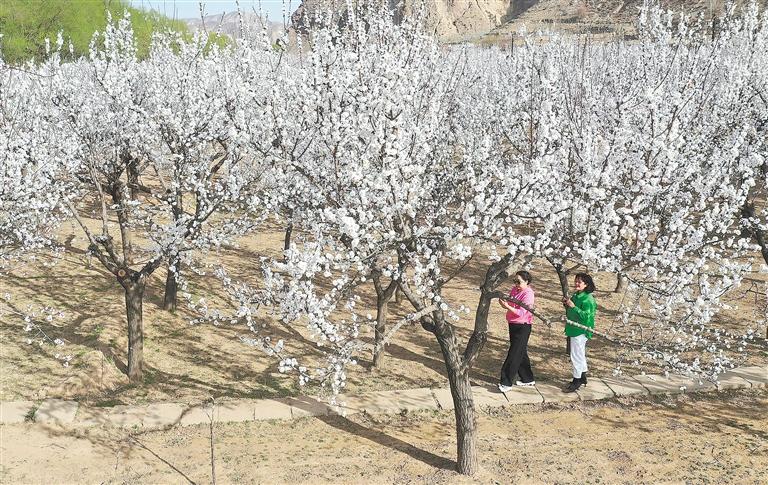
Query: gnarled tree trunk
x,y
134,297
458,365
383,296
463,402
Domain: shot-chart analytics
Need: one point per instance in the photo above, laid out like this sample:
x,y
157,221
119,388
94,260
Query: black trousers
x,y
517,361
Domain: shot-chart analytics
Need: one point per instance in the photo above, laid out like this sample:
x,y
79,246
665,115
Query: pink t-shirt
x,y
520,316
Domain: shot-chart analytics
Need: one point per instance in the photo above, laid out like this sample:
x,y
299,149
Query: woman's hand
x,y
504,304
567,303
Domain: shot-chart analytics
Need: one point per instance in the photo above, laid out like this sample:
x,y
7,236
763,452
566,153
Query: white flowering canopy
x,y
631,157
392,153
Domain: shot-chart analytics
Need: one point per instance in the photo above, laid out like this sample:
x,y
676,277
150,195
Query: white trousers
x,y
579,355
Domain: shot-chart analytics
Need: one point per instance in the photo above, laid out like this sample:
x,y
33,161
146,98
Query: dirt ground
x,y
698,438
190,363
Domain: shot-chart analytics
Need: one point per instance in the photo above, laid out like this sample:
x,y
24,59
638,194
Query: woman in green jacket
x,y
580,308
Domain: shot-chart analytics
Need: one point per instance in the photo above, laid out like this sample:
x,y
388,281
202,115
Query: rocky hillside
x,y
452,20
229,24
499,20
597,17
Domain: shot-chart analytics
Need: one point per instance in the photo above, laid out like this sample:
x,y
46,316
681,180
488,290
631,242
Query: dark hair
x,y
526,276
587,280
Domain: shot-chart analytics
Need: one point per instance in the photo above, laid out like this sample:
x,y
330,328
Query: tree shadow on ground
x,y
216,370
199,362
724,410
161,459
383,439
123,443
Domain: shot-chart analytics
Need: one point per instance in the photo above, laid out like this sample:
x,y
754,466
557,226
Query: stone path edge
x,y
166,414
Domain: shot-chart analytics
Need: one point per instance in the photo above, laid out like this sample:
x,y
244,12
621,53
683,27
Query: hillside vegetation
x,y
25,24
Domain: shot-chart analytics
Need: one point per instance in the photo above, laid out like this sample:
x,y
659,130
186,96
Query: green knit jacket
x,y
583,312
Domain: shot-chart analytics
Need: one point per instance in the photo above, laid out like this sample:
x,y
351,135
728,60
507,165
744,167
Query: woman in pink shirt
x,y
519,321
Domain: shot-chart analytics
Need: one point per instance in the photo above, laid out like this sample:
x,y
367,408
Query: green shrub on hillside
x,y
25,24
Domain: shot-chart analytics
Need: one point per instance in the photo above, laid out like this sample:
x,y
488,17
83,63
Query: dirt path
x,y
699,438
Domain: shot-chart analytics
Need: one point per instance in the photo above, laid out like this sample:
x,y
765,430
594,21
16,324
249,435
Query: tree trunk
x,y
621,283
562,276
398,295
466,424
132,171
170,297
134,296
123,220
748,212
383,295
287,240
378,335
458,365
463,402
171,284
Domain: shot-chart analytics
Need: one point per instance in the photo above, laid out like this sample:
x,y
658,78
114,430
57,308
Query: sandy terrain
x,y
698,438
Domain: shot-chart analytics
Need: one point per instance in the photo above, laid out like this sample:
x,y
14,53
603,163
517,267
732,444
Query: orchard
x,y
390,164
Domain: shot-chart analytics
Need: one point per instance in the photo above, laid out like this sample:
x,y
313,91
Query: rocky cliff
x,y
497,20
451,20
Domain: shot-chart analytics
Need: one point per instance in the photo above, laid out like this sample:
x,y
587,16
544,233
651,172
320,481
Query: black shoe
x,y
574,385
584,378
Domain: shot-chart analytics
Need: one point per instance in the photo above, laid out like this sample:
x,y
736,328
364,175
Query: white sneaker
x,y
525,384
503,388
